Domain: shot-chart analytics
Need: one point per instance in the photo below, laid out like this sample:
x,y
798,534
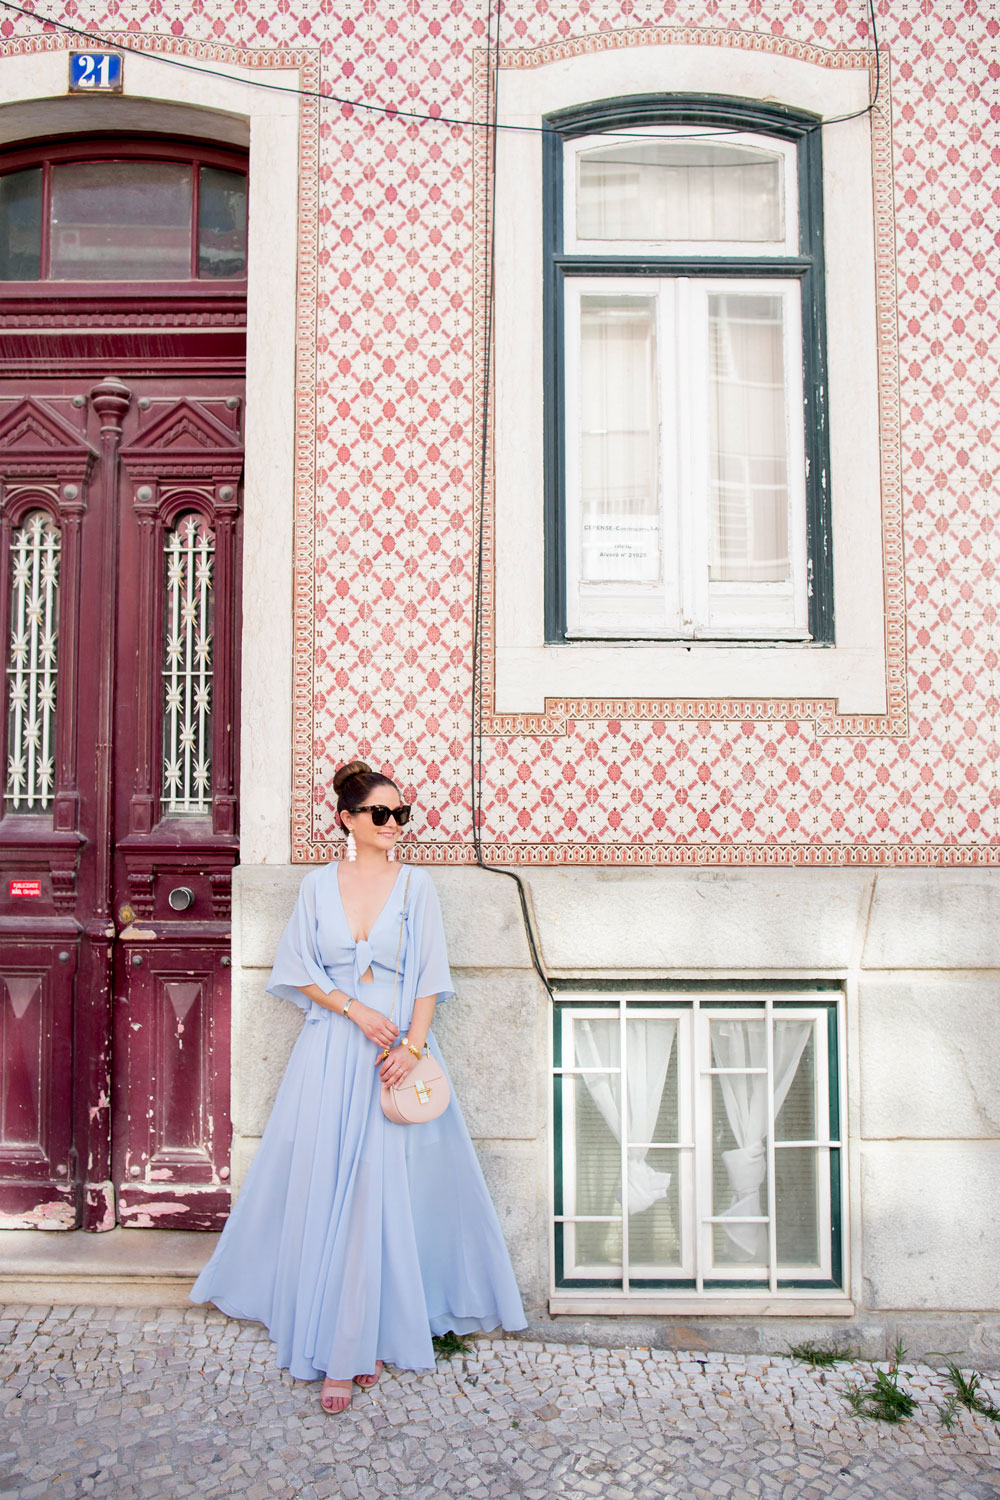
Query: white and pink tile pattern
x,y
386,419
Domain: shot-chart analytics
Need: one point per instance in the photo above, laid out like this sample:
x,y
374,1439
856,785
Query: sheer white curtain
x,y
619,484
743,1044
679,190
748,439
650,1044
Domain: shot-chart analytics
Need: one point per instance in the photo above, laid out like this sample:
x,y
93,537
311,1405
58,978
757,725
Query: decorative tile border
x,y
822,712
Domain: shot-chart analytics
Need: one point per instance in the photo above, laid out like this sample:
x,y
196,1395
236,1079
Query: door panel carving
x,y
111,468
172,1048
36,1021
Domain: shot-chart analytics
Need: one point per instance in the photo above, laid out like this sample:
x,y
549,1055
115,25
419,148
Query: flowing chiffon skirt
x,y
354,1239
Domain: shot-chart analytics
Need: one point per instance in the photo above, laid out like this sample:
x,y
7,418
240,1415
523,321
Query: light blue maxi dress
x,y
354,1239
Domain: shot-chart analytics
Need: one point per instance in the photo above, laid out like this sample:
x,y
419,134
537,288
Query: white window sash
x,y
734,610
786,150
686,604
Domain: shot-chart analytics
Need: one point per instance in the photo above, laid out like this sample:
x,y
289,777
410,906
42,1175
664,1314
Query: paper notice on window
x,y
621,549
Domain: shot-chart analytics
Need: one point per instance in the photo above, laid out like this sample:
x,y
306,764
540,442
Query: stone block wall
x,y
917,954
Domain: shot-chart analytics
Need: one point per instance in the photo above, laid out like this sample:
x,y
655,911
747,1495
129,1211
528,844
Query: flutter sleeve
x,y
427,958
297,961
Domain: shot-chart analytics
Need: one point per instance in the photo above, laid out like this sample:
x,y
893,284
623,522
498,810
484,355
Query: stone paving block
x,y
535,1420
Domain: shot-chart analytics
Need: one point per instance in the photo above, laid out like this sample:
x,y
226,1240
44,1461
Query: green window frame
x,y
728,1177
568,267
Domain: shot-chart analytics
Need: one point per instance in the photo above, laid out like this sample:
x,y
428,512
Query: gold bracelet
x,y
410,1048
347,1007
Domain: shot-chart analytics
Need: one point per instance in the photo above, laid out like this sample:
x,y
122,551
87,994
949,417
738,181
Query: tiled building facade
x,y
745,831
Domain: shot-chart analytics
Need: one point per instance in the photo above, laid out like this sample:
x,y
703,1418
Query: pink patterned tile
x,y
386,470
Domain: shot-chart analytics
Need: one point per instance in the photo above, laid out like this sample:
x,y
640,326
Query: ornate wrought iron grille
x,y
187,668
32,664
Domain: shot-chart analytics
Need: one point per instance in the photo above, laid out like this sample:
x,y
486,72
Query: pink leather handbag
x,y
423,1094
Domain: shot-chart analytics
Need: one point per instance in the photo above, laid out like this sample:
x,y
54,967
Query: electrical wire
x,y
391,111
476,737
873,101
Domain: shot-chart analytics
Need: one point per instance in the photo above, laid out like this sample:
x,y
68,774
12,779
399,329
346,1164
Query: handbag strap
x,y
399,947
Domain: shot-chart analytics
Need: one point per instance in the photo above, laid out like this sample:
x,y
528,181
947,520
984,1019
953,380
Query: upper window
x,y
687,470
96,213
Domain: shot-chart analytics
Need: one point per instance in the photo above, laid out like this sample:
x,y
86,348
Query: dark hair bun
x,y
353,768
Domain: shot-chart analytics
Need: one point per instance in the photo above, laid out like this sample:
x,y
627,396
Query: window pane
x,y
748,439
739,1131
597,1177
222,224
598,1246
593,1042
797,1194
679,190
619,492
594,1160
655,1232
796,1118
652,1081
121,221
739,1166
21,225
32,664
187,668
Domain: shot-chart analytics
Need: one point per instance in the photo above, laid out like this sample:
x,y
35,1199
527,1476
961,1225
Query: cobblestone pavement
x,y
166,1403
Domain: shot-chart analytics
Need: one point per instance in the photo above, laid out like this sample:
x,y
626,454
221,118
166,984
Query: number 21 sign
x,y
95,73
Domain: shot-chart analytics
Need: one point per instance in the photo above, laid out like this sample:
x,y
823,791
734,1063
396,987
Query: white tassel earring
x,y
390,853
351,848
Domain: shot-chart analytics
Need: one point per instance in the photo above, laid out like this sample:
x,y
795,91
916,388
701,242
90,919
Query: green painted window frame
x,y
650,995
704,111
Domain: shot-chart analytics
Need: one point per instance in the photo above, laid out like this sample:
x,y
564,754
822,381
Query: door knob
x,y
181,897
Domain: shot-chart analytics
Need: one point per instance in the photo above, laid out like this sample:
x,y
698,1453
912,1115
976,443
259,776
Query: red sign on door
x,y
26,887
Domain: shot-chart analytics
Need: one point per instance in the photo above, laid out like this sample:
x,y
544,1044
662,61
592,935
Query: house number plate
x,y
96,73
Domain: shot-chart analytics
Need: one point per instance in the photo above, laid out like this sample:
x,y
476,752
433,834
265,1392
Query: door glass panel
x,y
222,224
32,664
187,667
21,225
619,490
748,440
121,221
680,190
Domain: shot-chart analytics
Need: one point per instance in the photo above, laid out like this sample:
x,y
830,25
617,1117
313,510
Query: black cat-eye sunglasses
x,y
381,814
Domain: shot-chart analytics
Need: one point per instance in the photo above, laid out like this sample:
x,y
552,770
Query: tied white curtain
x,y
650,1044
743,1044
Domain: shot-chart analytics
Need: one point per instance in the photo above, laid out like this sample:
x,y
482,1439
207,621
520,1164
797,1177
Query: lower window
x,y
722,1170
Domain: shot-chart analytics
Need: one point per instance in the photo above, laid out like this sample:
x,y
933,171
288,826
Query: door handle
x,y
180,898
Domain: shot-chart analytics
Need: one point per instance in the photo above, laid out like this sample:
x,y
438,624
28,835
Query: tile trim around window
x,y
858,686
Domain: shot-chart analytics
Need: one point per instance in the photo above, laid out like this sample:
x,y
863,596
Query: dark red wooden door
x,y
119,587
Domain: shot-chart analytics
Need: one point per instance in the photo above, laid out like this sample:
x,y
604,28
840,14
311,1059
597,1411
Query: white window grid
x,y
686,604
696,1271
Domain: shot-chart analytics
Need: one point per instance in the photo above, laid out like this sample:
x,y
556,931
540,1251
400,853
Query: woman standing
x,y
354,1240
